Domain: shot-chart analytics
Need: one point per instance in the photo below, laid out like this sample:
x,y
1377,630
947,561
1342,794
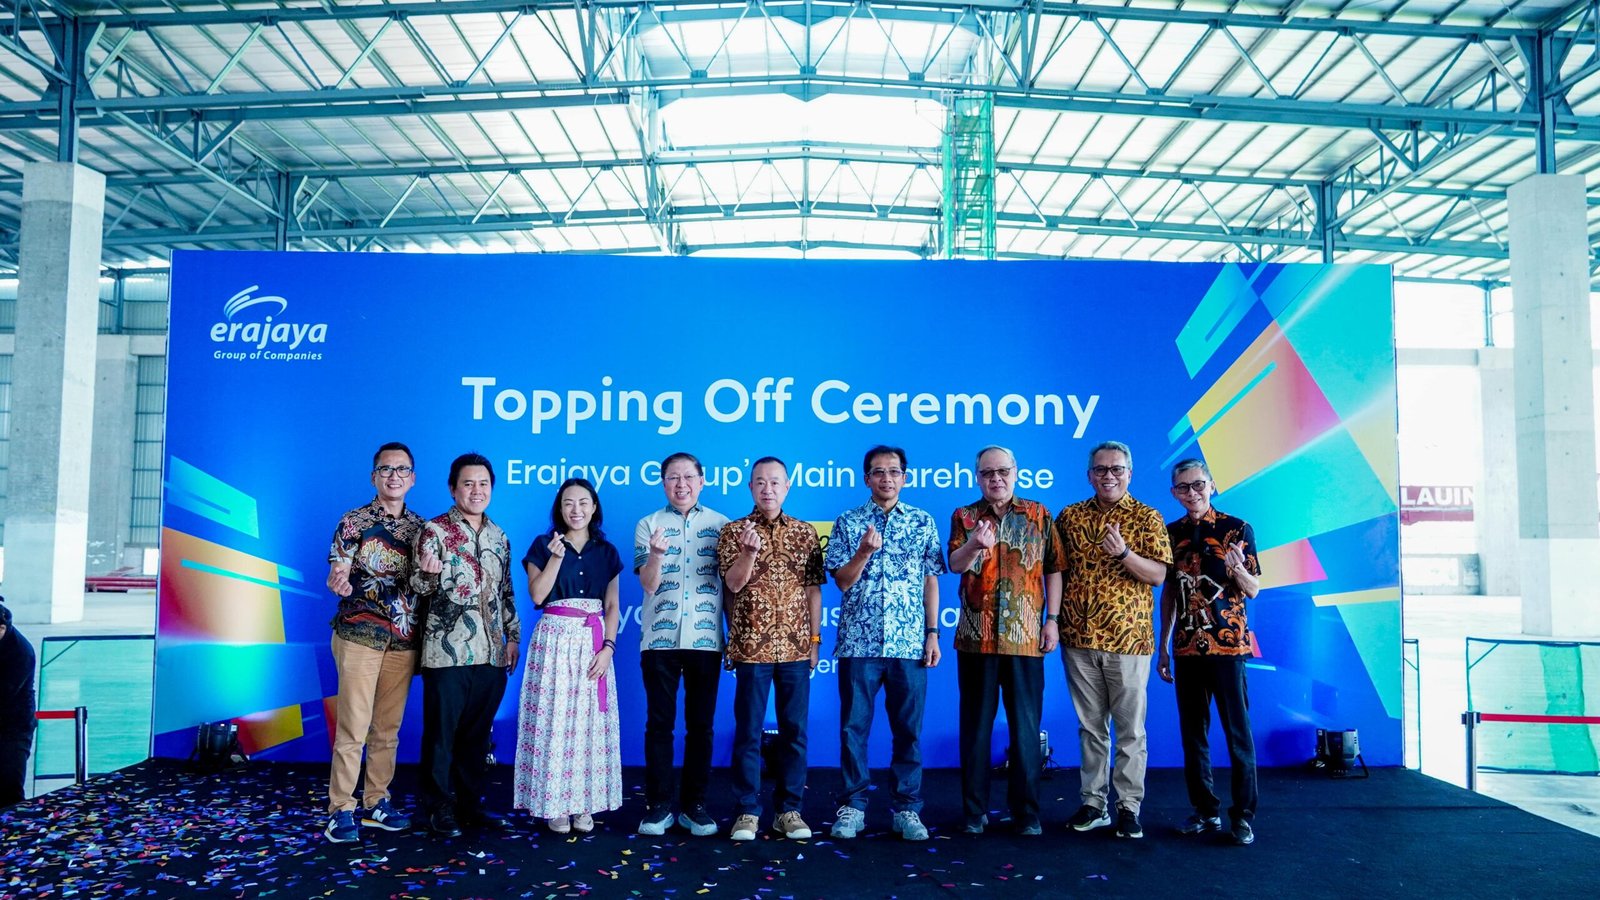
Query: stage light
x,y
1338,751
216,747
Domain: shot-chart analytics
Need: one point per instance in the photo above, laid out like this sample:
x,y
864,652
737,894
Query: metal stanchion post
x,y
80,720
1471,720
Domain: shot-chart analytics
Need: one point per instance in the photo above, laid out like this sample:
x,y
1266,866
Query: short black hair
x,y
881,449
470,459
560,526
5,615
770,459
682,456
394,445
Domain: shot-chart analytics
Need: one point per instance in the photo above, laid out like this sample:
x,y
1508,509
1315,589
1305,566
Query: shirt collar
x,y
984,508
377,506
693,510
900,508
761,520
457,516
1125,503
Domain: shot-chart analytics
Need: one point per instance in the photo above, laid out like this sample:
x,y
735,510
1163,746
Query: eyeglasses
x,y
1190,487
680,479
987,474
1115,471
881,472
386,471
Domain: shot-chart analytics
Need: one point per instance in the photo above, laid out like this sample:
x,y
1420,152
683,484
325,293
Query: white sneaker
x,y
909,825
848,822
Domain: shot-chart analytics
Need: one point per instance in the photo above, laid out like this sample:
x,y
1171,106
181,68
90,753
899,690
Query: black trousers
x,y
458,707
13,766
985,679
1199,681
700,672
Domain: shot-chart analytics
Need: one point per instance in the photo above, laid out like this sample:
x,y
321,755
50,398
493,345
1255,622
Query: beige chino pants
x,y
373,685
1110,689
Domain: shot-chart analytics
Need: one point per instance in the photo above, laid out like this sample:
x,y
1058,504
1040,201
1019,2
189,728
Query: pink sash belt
x,y
597,628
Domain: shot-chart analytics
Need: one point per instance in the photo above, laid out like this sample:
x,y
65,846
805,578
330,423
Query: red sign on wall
x,y
1435,503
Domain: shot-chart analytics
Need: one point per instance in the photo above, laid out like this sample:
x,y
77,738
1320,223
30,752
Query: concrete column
x,y
111,477
63,206
1495,494
1555,407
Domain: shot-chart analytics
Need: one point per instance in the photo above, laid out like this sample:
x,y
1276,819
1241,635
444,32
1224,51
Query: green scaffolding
x,y
969,179
1541,678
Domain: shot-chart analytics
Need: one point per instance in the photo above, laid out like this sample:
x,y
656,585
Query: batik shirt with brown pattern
x,y
1003,588
1103,607
770,620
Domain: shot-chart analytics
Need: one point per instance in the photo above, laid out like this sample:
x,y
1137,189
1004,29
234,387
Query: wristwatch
x,y
930,632
1124,554
816,639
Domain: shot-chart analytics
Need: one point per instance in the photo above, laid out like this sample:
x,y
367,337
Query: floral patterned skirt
x,y
569,758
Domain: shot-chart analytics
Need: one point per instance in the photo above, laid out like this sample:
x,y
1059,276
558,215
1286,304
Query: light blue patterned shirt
x,y
685,612
881,615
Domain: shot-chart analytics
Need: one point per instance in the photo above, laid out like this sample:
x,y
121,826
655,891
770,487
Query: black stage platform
x,y
156,830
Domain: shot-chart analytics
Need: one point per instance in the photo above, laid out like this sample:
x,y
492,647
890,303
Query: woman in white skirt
x,y
569,759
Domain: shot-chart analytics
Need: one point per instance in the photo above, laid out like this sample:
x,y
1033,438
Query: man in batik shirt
x,y
374,651
1010,563
680,641
886,559
469,644
1214,571
1116,551
772,566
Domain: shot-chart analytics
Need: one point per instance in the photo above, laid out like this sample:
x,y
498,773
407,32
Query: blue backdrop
x,y
288,370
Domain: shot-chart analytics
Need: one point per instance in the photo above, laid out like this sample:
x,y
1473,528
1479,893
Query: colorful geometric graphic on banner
x,y
288,370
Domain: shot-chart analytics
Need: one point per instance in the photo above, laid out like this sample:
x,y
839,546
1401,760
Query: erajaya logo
x,y
246,327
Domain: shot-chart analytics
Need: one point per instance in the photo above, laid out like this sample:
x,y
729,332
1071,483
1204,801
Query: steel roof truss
x,y
1221,222
1194,50
1380,70
1448,67
586,50
1117,199
1116,50
1016,181
25,17
1388,182
235,58
113,53
1244,55
371,45
1443,218
798,197
1493,233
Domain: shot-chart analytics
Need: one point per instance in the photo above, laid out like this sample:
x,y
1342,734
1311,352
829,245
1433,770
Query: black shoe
x,y
1088,818
443,824
483,819
657,819
1243,834
697,820
1128,824
1201,824
975,825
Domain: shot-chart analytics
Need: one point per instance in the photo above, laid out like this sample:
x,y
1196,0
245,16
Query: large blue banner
x,y
286,371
